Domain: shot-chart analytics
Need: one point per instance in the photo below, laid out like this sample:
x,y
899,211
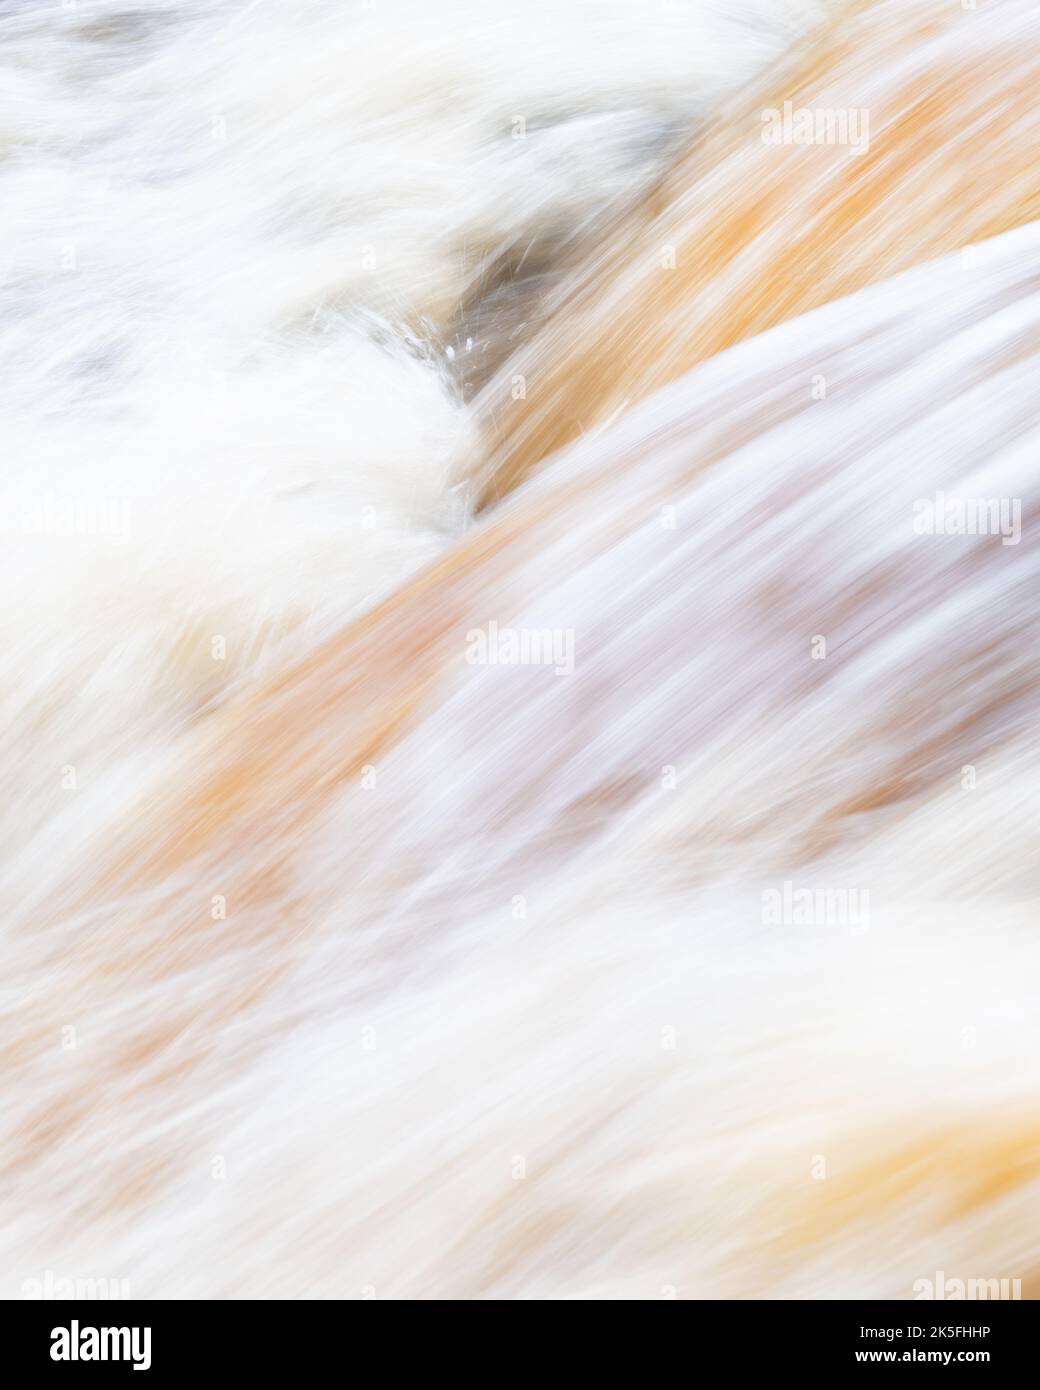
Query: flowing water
x,y
519,678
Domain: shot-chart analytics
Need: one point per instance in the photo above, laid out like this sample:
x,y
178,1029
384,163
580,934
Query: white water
x,y
509,1022
235,242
